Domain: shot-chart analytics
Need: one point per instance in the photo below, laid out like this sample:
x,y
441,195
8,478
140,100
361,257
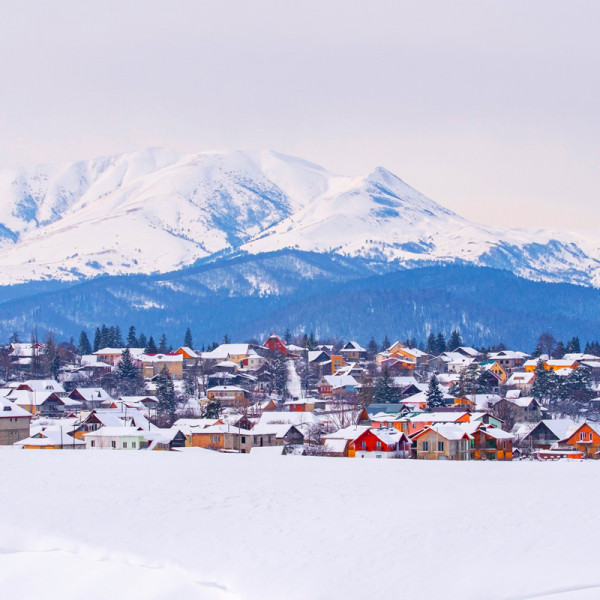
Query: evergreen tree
x,y
162,344
187,340
385,344
165,393
434,395
544,385
384,391
104,336
440,343
49,362
118,341
128,377
213,410
287,337
280,375
142,341
312,342
151,346
372,348
84,344
559,351
459,388
455,340
226,339
431,347
97,340
132,340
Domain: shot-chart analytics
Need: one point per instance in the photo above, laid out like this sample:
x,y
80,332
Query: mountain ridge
x,y
156,211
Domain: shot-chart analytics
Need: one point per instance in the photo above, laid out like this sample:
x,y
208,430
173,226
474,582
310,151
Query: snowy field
x,y
196,524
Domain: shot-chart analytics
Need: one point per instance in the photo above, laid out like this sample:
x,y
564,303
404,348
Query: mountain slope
x,y
156,211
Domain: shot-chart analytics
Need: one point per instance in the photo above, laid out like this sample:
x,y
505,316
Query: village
x,y
282,397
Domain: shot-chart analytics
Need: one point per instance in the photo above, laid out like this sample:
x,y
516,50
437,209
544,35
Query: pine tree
x,y
165,392
187,340
132,341
287,337
226,339
50,358
372,348
97,340
385,344
104,336
385,391
559,351
118,338
431,347
84,344
434,395
142,341
162,344
440,343
312,342
128,376
151,346
455,340
213,410
542,387
280,375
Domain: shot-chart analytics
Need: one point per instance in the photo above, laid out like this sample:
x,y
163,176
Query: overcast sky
x,y
489,108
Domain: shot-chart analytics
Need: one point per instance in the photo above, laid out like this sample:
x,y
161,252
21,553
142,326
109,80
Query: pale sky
x,y
491,108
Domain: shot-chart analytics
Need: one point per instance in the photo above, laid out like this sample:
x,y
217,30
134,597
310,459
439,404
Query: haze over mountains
x,y
157,211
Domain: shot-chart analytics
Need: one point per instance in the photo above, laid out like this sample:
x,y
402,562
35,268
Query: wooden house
x,y
442,442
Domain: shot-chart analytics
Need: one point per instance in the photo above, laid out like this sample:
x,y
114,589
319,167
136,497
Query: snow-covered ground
x,y
202,525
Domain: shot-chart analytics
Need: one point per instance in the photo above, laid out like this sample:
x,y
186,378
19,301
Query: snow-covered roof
x,y
339,381
93,394
507,354
50,435
559,427
450,431
521,378
225,350
44,385
9,409
335,445
162,358
347,433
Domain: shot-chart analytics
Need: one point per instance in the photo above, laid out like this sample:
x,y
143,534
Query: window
x,y
215,439
440,446
425,446
133,445
113,444
363,445
583,435
124,444
93,444
243,439
378,445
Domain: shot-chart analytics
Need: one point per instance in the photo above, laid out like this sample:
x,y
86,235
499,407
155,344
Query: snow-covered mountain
x,y
157,211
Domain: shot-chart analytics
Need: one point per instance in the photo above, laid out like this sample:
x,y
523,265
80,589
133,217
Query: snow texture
x,y
204,525
157,211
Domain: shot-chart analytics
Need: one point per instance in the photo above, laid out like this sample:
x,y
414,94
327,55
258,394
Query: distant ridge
x,y
156,211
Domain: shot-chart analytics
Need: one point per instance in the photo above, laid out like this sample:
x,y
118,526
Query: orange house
x,y
585,439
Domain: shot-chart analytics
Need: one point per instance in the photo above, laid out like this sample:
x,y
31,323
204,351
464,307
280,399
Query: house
x,y
380,443
190,357
496,369
119,417
547,433
335,385
508,359
51,437
236,439
153,364
525,409
234,352
489,442
40,386
521,380
38,403
229,395
446,441
415,422
353,352
584,439
285,434
14,422
275,344
126,438
90,397
338,442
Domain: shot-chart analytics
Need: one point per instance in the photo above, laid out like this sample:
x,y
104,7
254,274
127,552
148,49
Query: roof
x,y
44,385
336,445
339,381
521,377
225,388
92,394
50,435
166,357
559,427
9,409
347,433
449,431
225,350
